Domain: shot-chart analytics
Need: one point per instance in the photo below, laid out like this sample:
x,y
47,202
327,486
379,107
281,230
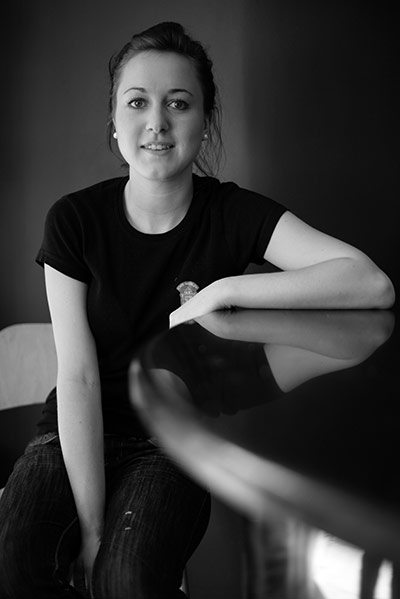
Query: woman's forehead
x,y
153,70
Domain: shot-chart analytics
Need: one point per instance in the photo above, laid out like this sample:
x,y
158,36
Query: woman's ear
x,y
206,129
114,129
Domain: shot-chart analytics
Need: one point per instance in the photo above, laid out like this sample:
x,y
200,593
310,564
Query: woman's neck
x,y
156,207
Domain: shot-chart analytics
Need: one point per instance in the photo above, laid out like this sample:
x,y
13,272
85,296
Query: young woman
x,y
125,259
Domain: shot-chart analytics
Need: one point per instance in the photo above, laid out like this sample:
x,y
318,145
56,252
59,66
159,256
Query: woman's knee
x,y
123,578
35,556
18,565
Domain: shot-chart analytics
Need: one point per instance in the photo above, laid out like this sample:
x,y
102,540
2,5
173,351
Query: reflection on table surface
x,y
290,417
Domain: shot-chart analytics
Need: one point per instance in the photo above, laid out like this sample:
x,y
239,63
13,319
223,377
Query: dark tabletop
x,y
293,411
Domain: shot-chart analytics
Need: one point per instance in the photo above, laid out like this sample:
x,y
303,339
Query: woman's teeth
x,y
158,147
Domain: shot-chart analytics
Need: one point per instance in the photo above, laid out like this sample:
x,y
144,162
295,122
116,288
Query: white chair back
x,y
28,364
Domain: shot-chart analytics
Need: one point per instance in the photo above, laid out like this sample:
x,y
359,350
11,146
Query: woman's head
x,y
171,38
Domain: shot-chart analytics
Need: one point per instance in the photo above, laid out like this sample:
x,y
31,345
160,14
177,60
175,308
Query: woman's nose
x,y
157,121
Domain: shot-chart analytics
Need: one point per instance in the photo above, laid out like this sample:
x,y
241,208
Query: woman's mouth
x,y
157,147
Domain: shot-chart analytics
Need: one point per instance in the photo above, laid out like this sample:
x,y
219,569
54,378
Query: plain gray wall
x,y
310,115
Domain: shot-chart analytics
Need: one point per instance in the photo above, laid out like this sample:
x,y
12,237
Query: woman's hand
x,y
89,550
211,298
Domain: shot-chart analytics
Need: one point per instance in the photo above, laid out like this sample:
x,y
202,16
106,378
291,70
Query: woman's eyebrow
x,y
174,90
178,90
138,89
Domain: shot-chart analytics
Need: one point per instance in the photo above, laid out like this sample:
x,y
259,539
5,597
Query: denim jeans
x,y
155,518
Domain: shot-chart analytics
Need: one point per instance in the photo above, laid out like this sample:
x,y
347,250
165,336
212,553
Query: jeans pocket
x,y
153,441
43,439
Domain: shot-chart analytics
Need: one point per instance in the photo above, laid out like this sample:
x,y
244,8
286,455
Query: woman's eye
x,y
178,104
137,103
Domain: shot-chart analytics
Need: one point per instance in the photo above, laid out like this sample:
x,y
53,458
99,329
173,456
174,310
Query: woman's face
x,y
159,116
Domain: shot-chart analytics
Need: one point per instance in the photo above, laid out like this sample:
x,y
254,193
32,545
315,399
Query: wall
x,y
309,90
322,116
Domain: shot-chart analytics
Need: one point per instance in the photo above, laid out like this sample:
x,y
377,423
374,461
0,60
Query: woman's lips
x,y
157,147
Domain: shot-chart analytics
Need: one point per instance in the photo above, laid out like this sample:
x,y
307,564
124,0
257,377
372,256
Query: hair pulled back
x,y
171,37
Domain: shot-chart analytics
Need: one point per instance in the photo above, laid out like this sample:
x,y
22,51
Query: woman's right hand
x,y
207,300
89,549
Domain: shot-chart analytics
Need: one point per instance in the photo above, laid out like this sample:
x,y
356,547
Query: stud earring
x,y
115,135
205,136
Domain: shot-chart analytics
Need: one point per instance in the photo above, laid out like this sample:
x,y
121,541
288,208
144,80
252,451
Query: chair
x,y
27,373
27,364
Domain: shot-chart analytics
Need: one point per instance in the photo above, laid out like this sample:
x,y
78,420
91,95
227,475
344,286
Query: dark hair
x,y
171,37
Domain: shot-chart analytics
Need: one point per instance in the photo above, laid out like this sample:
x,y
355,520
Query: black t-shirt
x,y
222,376
132,277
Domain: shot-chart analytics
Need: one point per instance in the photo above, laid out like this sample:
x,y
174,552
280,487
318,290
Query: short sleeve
x,y
63,245
250,219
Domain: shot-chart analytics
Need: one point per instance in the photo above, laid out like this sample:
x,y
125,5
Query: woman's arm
x,y
302,344
318,272
341,334
79,405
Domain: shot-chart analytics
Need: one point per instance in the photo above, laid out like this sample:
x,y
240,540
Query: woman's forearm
x,y
340,283
335,284
80,425
336,333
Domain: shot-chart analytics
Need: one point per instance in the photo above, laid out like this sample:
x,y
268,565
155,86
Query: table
x,y
290,417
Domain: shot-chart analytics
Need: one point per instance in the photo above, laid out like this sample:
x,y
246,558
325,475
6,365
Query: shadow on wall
x,y
322,117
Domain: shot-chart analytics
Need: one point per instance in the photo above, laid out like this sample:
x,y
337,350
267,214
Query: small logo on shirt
x,y
187,290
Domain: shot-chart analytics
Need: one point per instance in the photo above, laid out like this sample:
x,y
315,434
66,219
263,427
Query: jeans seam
x,y
195,525
57,564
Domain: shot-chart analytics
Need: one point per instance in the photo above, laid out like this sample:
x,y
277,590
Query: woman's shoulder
x,y
212,186
230,193
98,191
238,207
90,198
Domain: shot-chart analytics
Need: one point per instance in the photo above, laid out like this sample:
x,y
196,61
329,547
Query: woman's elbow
x,y
380,289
